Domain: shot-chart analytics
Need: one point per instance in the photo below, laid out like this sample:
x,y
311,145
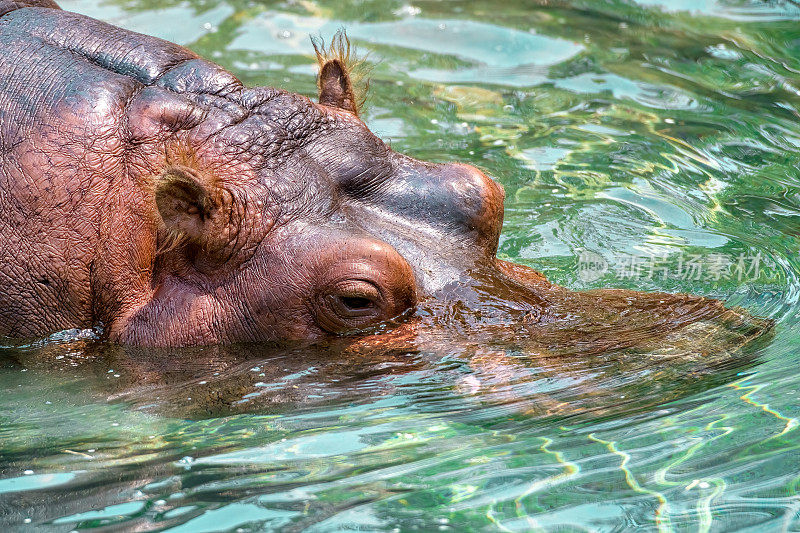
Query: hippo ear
x,y
191,206
335,69
335,88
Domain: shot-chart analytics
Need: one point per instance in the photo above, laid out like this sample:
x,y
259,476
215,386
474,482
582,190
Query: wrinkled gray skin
x,y
146,190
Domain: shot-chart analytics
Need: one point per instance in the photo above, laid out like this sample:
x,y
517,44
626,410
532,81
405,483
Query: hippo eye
x,y
349,305
354,298
356,302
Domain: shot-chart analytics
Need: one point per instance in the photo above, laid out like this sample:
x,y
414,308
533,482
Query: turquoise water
x,y
652,145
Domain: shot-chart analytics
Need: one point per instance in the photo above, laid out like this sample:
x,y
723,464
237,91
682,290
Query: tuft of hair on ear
x,y
169,240
182,154
342,80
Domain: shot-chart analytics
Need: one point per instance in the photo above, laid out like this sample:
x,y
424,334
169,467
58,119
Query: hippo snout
x,y
477,200
454,198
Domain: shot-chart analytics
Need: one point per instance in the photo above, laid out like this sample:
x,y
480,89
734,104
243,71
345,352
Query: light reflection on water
x,y
620,128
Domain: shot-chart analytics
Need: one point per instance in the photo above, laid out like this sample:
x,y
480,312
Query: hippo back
x,y
74,214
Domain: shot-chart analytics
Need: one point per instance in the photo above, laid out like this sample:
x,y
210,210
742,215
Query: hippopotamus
x,y
147,193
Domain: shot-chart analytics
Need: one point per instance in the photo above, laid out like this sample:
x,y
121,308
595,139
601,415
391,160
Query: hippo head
x,y
284,219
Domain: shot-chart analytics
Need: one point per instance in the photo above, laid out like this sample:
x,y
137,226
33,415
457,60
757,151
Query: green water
x,y
652,145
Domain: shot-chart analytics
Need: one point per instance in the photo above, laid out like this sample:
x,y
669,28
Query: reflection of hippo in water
x,y
147,190
524,377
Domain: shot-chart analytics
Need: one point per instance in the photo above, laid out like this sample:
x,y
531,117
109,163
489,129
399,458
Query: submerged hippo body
x,y
146,190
